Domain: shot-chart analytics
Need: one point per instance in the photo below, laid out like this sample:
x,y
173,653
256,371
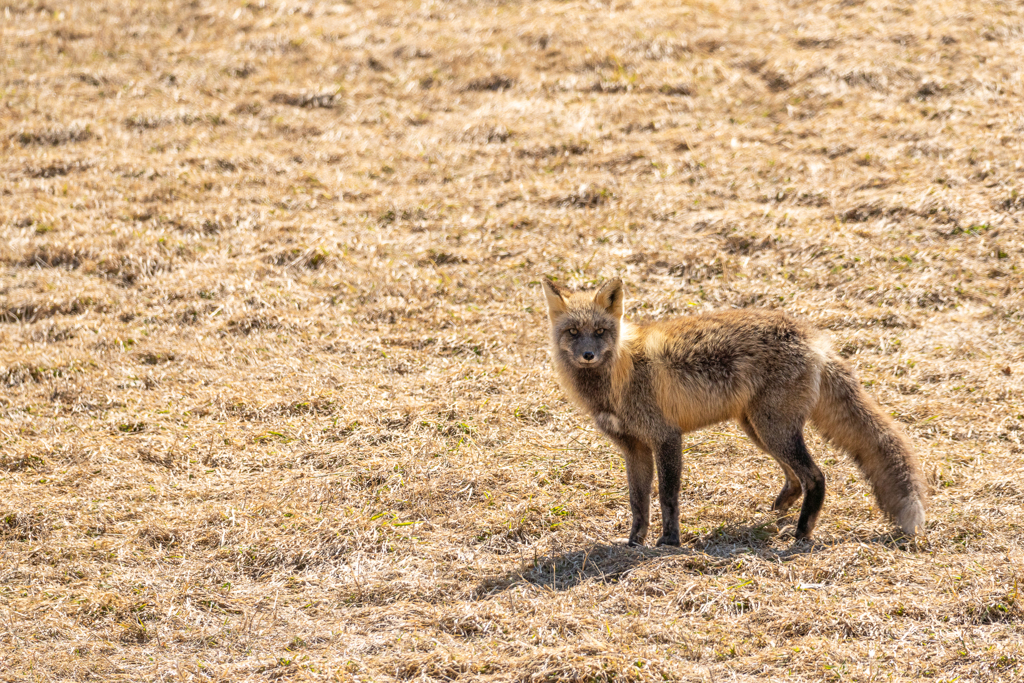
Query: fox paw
x,y
667,540
804,536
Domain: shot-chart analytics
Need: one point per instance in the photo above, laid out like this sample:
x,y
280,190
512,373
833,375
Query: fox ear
x,y
609,297
556,302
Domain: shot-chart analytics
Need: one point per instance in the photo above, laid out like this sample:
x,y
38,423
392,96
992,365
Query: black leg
x,y
791,489
670,465
784,440
639,474
795,455
814,488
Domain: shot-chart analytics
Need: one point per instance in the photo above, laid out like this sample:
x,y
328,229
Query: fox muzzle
x,y
587,354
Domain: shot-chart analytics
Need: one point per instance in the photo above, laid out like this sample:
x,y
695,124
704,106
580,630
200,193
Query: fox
x,y
647,384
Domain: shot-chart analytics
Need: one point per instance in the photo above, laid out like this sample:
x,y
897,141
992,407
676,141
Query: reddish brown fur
x,y
646,385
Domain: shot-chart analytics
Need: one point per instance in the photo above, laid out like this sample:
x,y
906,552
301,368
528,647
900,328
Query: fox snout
x,y
587,352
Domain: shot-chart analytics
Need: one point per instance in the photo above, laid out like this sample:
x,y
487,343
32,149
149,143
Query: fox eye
x,y
573,332
598,332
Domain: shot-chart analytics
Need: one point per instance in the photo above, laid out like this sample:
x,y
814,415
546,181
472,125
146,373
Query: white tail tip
x,y
911,518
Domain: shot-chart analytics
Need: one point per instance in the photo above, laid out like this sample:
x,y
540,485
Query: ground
x,y
275,395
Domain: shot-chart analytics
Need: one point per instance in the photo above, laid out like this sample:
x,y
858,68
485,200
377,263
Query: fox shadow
x,y
561,567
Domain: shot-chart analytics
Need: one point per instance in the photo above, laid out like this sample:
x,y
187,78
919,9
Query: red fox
x,y
646,385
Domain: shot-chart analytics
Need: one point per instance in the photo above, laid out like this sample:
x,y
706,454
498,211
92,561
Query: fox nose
x,y
588,355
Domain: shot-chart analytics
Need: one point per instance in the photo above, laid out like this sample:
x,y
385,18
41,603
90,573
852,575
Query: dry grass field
x,y
275,395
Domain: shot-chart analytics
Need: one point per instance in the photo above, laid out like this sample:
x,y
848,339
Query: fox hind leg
x,y
791,490
783,438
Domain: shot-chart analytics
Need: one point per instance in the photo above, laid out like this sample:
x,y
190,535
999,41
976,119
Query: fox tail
x,y
849,418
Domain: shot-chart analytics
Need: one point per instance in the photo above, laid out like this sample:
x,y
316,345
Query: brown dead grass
x,y
275,401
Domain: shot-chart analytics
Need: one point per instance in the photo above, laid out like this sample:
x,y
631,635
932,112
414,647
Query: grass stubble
x,y
275,401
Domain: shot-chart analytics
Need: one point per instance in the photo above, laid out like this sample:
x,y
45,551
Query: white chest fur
x,y
608,423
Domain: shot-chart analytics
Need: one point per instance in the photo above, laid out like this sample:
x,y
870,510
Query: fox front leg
x,y
670,465
639,474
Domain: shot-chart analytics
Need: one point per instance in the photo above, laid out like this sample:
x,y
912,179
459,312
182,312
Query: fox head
x,y
585,326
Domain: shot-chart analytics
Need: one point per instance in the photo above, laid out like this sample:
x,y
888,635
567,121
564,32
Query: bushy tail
x,y
848,417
